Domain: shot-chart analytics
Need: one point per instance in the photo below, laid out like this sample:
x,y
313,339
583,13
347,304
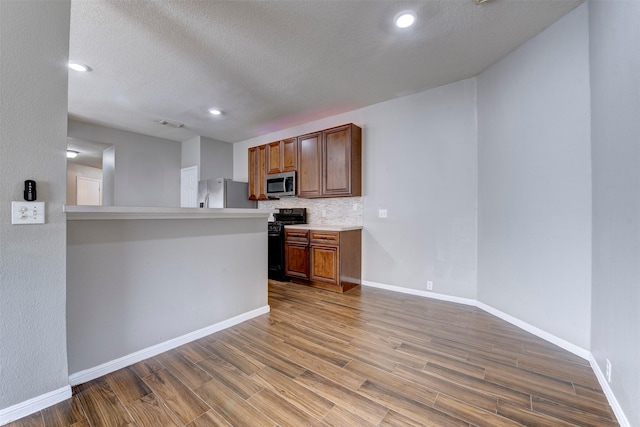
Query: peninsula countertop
x,y
77,213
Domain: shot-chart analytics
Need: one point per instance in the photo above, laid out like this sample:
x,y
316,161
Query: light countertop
x,y
77,213
324,227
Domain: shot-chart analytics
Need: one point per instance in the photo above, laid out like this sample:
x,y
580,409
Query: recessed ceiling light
x,y
76,66
405,19
215,111
72,154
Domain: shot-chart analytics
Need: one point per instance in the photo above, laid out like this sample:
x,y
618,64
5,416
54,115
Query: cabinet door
x,y
262,173
336,148
310,165
274,157
253,173
324,264
289,155
296,256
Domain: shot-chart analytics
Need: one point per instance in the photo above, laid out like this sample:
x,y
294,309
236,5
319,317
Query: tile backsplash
x,y
330,211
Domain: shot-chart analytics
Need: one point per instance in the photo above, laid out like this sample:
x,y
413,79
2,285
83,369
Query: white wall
x,y
191,153
34,41
216,159
108,175
147,171
420,163
534,192
75,170
137,283
615,103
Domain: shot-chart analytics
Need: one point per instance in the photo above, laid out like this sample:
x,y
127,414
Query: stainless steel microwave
x,y
281,184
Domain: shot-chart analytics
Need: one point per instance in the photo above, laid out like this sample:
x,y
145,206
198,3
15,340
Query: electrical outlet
x,y
608,372
355,207
429,285
382,213
27,212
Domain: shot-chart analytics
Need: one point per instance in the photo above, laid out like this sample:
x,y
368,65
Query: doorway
x,y
88,191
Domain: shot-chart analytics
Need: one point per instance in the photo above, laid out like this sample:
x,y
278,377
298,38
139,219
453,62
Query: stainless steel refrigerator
x,y
224,193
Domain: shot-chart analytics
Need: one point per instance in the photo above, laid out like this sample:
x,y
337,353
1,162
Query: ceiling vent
x,y
171,124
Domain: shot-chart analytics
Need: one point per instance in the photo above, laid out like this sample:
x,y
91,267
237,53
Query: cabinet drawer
x,y
296,235
325,237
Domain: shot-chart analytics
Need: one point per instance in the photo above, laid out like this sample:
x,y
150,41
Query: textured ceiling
x,y
275,64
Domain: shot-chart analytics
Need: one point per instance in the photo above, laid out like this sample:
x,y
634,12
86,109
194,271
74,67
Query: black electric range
x,y
285,216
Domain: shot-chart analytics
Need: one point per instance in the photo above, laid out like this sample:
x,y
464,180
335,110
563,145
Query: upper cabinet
x,y
289,155
328,163
310,165
282,156
274,157
342,161
257,172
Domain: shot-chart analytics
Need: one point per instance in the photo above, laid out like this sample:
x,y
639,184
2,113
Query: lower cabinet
x,y
296,260
323,263
325,259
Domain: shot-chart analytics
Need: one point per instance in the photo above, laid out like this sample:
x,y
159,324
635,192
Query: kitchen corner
x,y
316,238
319,245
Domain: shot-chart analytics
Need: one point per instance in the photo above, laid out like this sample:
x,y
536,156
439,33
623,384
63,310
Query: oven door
x,y
276,254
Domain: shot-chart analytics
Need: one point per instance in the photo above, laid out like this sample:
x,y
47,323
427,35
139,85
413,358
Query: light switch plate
x,y
27,212
382,213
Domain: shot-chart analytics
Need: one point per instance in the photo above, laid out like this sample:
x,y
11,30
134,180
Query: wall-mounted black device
x,y
30,190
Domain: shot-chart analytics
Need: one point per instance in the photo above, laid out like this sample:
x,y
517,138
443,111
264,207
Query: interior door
x,y
88,191
189,187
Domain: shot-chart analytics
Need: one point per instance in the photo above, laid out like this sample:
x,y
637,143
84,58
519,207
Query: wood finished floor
x,y
365,358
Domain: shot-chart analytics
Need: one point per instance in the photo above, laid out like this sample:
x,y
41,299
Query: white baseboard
x,y
34,405
617,410
417,292
578,351
566,345
122,362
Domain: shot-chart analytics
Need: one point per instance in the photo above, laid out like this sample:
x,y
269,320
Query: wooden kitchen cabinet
x,y
330,163
274,157
310,165
289,155
342,161
325,259
296,253
282,156
257,172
